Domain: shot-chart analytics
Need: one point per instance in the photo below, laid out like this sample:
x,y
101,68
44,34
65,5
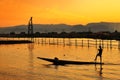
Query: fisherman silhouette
x,y
56,60
100,50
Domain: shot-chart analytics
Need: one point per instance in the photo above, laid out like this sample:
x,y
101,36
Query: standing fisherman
x,y
100,50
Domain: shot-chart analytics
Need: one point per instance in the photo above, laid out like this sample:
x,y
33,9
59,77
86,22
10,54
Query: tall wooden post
x,y
82,42
49,40
57,41
75,42
102,43
110,43
30,28
96,43
88,43
119,44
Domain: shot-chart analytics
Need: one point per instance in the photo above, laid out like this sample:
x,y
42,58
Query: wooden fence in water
x,y
79,42
73,42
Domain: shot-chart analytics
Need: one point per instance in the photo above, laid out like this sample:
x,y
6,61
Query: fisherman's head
x,y
100,47
56,58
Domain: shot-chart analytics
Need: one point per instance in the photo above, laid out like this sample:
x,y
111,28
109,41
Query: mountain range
x,y
44,28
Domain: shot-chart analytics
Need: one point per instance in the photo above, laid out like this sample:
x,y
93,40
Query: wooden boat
x,y
64,62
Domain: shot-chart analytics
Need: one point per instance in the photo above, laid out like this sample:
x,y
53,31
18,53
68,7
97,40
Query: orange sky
x,y
15,12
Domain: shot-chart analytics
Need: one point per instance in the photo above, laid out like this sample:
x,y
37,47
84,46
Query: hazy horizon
x,y
59,24
94,27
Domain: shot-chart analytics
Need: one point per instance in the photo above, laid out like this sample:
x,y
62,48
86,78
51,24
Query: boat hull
x,y
63,62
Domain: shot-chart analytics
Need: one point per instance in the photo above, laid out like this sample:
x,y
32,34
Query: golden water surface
x,y
19,62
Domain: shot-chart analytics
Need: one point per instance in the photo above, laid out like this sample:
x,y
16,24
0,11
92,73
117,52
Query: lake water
x,y
19,62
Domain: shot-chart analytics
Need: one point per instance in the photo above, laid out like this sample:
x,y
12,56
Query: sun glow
x,y
15,12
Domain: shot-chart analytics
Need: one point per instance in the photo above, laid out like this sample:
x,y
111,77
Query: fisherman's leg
x,y
96,58
100,59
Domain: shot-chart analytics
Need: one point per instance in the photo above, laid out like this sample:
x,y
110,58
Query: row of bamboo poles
x,y
73,41
79,42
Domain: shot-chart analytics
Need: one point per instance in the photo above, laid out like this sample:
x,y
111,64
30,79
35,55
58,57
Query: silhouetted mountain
x,y
79,28
103,26
51,28
17,29
43,28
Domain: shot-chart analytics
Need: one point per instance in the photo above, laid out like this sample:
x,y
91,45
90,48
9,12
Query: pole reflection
x,y
30,61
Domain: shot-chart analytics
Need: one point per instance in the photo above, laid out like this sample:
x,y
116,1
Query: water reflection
x,y
31,61
52,66
19,63
99,70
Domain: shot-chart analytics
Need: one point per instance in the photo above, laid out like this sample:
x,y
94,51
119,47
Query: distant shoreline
x,y
14,41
